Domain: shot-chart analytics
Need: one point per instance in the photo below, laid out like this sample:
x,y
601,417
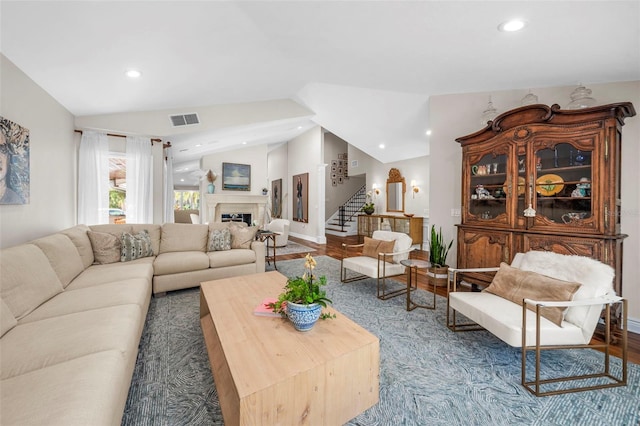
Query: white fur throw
x,y
596,278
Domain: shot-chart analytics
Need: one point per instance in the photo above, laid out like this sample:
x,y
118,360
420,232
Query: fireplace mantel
x,y
219,204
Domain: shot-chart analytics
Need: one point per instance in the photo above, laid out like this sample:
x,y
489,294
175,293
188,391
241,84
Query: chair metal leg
x,y
535,386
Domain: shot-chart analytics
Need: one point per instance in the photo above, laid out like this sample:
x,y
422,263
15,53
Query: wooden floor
x,y
333,248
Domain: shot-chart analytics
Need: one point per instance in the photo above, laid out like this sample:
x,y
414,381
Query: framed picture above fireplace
x,y
236,177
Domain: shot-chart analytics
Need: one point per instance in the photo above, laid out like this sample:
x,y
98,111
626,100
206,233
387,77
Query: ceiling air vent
x,y
184,119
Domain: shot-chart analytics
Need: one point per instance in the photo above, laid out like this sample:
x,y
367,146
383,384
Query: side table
x,y
412,274
265,237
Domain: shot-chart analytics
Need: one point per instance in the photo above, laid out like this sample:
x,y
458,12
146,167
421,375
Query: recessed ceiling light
x,y
512,25
381,146
133,73
198,144
244,143
429,132
181,180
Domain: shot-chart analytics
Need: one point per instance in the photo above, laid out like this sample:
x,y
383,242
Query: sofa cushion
x,y
220,259
91,390
113,228
26,279
515,285
63,256
503,319
372,247
134,291
178,237
242,236
7,320
40,344
114,272
368,266
135,246
180,261
79,238
106,247
219,239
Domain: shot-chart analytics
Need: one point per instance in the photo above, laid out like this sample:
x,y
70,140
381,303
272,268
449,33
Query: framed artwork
x,y
340,171
340,163
301,198
334,176
14,163
340,180
334,182
334,169
276,199
340,156
334,163
236,177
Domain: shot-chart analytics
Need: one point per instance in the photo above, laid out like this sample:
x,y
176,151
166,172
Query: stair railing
x,y
352,206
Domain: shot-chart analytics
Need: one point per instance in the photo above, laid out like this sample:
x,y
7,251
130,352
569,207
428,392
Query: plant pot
x,y
211,188
438,275
369,211
303,317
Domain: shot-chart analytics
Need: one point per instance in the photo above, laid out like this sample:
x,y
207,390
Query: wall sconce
x,y
414,189
376,190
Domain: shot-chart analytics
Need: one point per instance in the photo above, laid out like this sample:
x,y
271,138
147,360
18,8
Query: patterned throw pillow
x,y
135,246
219,239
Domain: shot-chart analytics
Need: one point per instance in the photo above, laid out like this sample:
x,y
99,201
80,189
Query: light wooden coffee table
x,y
266,372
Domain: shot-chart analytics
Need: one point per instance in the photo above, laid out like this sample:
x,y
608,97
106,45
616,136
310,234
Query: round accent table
x,y
412,282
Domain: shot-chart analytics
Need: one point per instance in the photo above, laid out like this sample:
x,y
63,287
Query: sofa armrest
x,y
604,300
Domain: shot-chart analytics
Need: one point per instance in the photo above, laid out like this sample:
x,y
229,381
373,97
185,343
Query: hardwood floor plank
x,y
333,248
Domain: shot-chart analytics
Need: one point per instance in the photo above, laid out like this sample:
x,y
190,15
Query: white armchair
x,y
281,226
377,264
523,324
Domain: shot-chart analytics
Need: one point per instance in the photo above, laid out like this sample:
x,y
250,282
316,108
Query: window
x,y
186,200
117,188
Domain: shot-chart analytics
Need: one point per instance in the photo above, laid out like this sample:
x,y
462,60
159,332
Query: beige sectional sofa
x,y
71,328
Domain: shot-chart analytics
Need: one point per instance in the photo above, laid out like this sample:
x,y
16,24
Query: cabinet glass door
x,y
489,186
562,185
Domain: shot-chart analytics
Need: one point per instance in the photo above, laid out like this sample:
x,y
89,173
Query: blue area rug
x,y
428,374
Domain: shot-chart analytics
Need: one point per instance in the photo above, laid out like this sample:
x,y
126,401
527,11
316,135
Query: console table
x,y
412,226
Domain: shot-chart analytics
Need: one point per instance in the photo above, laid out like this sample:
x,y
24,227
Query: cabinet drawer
x,y
483,248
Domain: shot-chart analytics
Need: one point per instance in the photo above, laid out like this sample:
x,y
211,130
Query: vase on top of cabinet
x,y
551,182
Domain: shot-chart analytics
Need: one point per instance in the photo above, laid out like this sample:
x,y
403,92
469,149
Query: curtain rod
x,y
124,136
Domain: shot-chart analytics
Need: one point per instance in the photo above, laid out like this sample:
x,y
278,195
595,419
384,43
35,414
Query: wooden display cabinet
x,y
412,226
543,178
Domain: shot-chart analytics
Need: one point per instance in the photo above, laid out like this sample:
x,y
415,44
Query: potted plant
x,y
302,299
438,272
211,177
369,206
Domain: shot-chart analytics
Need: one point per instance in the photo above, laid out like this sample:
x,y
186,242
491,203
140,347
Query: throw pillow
x,y
219,239
372,247
106,247
515,284
135,246
242,237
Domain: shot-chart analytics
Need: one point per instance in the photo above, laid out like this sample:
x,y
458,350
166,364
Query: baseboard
x,y
317,240
633,325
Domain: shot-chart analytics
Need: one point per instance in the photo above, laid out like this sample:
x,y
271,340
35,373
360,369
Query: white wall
x,y
452,116
255,156
305,155
52,159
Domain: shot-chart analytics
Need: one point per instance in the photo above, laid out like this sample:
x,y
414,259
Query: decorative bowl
x,y
408,214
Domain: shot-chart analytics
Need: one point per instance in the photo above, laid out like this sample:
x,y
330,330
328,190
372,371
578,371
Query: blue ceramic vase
x,y
303,317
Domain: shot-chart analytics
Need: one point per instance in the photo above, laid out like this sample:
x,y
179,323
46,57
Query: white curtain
x,y
93,179
139,188
168,186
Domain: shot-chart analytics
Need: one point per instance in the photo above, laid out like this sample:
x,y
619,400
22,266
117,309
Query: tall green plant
x,y
438,250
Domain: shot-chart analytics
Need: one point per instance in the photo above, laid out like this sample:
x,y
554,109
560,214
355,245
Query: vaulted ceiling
x,y
364,69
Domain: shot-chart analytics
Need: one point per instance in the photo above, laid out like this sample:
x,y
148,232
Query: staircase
x,y
344,222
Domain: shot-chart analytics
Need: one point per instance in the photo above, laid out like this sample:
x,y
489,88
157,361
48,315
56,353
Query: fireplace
x,y
219,204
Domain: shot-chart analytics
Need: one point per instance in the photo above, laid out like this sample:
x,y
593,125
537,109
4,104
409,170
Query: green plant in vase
x,y
303,299
438,273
